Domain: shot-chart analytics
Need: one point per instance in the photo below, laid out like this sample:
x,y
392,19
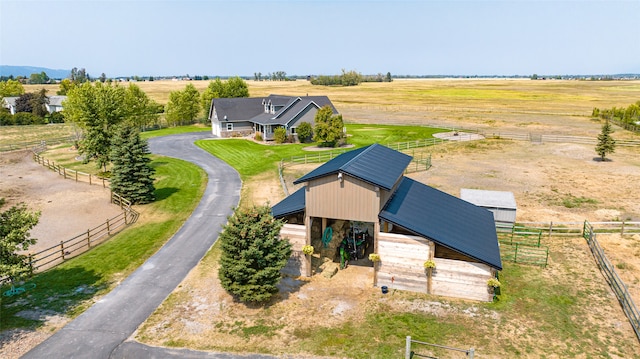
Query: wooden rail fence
x,y
57,254
610,274
30,145
422,163
69,173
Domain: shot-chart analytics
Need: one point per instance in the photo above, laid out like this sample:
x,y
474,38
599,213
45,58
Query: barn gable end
x,y
411,223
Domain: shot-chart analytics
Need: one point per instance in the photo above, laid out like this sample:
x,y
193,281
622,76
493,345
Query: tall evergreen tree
x,y
252,254
131,175
606,144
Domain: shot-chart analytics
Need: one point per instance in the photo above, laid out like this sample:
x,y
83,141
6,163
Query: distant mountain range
x,y
26,71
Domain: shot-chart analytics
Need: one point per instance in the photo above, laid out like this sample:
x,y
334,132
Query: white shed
x,y
501,204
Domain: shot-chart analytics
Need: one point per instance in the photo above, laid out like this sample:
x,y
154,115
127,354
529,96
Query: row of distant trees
x,y
349,78
184,106
625,116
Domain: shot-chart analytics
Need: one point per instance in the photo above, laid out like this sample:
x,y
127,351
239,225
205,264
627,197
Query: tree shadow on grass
x,y
57,292
164,193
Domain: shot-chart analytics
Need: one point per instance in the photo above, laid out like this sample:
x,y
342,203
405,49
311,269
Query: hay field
x,y
511,105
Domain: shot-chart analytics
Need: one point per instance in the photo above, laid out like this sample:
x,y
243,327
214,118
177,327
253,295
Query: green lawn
x,y
174,130
250,158
69,287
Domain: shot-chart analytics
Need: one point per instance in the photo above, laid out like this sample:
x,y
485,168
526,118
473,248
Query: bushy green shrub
x,y
280,135
304,131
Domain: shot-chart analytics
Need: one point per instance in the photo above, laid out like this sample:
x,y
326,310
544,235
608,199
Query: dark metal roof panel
x,y
330,167
375,164
293,204
444,219
379,165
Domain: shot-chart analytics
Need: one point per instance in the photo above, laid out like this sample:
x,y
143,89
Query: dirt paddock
x,y
550,181
68,208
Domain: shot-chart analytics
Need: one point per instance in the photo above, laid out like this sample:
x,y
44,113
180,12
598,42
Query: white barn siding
x,y
296,234
459,279
402,259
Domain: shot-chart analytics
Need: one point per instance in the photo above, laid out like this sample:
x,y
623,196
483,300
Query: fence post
x,y
64,171
407,351
89,178
515,254
30,264
62,249
550,229
108,227
470,353
76,176
622,229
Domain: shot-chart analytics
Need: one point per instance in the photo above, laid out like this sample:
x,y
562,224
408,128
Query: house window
x,y
293,130
229,126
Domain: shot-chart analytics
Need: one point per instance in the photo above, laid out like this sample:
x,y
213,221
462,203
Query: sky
x,y
316,37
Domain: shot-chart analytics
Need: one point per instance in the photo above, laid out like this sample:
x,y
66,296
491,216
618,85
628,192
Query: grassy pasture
x,y
558,312
561,106
69,287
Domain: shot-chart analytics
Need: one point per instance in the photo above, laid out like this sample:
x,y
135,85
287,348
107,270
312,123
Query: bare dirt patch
x,y
551,182
67,209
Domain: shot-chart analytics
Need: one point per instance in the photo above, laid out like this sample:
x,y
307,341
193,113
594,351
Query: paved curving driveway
x,y
101,331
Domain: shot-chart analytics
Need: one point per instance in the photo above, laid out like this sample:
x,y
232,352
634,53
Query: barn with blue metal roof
x,y
364,201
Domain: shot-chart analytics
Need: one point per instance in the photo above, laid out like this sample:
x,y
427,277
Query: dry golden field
x,y
200,315
559,106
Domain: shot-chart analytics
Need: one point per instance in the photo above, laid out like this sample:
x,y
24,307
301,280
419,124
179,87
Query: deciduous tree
x,y
24,103
328,127
233,87
304,131
183,106
41,78
15,224
131,175
11,88
96,109
252,254
65,86
39,103
141,110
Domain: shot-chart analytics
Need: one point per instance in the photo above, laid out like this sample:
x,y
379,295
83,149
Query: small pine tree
x,y
606,144
131,175
252,254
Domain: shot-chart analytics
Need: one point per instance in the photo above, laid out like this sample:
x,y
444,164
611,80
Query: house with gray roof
x,y
245,116
54,105
363,199
9,103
